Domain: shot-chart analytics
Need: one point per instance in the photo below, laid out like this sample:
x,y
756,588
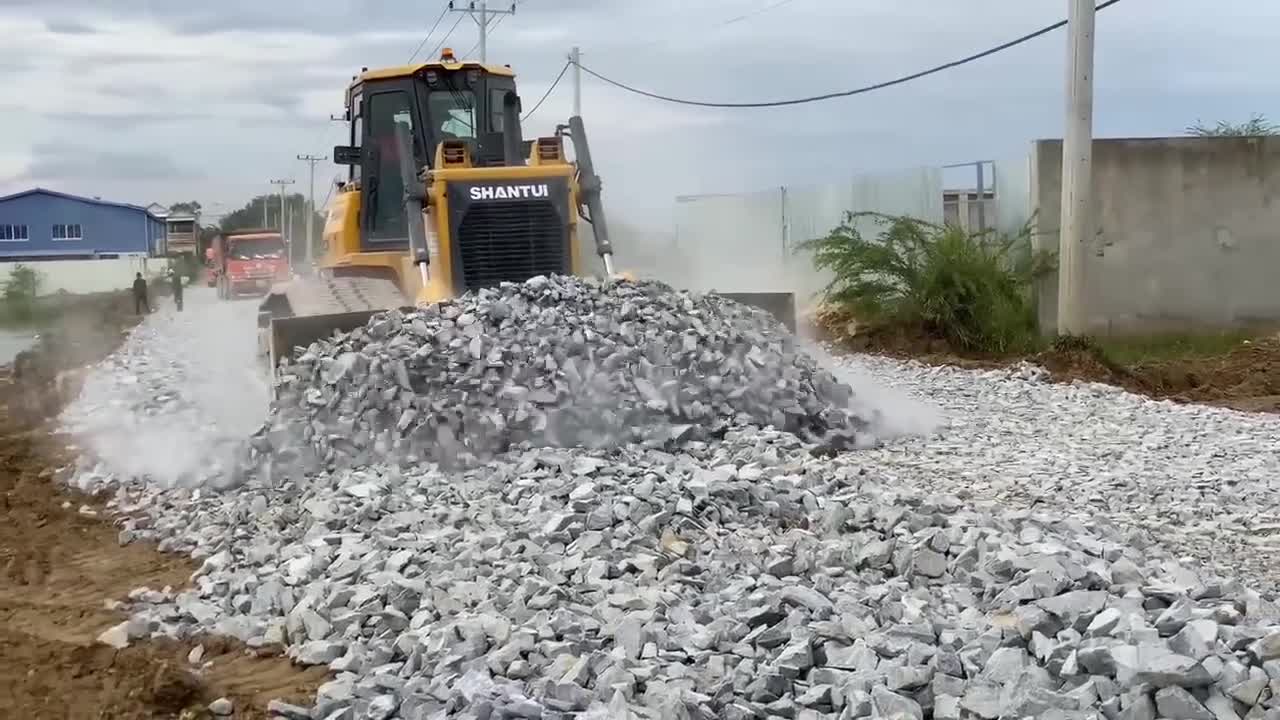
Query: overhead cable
x,y
445,39
427,37
842,93
547,94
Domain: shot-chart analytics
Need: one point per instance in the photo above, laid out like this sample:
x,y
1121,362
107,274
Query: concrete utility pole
x,y
311,161
287,244
575,58
481,13
1077,169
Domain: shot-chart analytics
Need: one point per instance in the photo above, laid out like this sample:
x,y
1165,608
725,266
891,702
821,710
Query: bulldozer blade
x,y
306,310
779,304
287,333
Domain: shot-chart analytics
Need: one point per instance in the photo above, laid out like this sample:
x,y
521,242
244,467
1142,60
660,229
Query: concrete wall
x,y
1187,233
82,277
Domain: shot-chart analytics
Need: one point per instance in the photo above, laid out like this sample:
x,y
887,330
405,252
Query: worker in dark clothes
x,y
176,280
140,300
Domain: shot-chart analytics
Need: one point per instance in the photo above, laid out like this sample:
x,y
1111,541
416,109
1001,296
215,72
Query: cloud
x,y
61,164
244,86
80,120
69,27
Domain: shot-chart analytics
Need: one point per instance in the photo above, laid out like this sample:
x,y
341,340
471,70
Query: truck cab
x,y
249,262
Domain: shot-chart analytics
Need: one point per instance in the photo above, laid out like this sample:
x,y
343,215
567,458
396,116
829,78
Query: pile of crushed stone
x,y
743,578
554,361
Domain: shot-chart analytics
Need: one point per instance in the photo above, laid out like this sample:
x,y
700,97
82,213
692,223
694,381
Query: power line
x,y
753,13
427,37
328,195
456,23
547,94
844,93
723,23
496,23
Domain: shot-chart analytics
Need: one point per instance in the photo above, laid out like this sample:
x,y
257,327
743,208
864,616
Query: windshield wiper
x,y
460,99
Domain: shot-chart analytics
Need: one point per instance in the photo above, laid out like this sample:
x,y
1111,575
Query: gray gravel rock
x,y
1176,703
558,361
1200,481
734,575
484,590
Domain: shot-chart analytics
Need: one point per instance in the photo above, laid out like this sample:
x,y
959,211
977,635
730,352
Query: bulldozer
x,y
443,195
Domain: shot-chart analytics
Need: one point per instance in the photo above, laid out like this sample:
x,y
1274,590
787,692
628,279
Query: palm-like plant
x,y
973,289
1256,125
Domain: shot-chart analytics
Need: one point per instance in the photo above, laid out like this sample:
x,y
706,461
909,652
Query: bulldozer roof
x,y
397,71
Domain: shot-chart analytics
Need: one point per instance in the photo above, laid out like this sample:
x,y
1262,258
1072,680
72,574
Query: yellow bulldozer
x,y
443,196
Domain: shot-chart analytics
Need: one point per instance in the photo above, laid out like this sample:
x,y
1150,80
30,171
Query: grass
x,y
971,289
1141,350
20,298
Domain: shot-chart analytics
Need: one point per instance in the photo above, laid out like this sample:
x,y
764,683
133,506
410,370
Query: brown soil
x,y
60,567
1245,378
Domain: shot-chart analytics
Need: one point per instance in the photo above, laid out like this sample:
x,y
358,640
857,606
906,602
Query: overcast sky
x,y
151,100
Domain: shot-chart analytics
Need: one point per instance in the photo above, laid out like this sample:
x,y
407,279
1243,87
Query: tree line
x,y
251,217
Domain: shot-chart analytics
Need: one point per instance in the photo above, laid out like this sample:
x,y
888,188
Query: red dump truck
x,y
247,262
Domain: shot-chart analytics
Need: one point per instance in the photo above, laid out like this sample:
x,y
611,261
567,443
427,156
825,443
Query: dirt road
x,y
62,570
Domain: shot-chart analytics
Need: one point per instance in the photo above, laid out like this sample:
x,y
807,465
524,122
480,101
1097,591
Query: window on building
x,y
13,233
66,232
182,226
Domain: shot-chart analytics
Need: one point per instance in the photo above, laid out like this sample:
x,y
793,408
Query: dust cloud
x,y
175,402
179,399
655,254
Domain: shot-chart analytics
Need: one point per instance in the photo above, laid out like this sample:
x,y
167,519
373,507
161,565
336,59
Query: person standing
x,y
176,280
140,300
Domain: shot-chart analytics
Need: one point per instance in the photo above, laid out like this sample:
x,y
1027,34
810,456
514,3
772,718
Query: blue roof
x,y
70,252
79,198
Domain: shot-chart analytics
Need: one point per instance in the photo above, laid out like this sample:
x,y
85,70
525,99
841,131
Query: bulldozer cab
x,y
437,101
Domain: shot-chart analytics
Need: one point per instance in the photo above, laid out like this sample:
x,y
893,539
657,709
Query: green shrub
x,y
20,291
973,289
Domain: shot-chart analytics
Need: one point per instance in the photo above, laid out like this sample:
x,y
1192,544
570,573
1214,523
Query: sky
x,y
158,101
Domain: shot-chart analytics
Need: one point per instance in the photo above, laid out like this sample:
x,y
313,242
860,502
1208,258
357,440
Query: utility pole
x,y
1077,169
289,254
480,12
311,161
575,58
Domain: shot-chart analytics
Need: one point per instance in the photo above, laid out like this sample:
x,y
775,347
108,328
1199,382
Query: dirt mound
x,y
1247,377
61,565
39,381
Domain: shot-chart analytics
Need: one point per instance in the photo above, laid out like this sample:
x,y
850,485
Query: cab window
x,y
452,114
357,131
496,96
385,110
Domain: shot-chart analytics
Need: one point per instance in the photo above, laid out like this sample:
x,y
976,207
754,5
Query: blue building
x,y
41,224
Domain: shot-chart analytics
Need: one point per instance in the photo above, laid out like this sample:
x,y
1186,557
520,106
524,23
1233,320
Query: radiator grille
x,y
501,241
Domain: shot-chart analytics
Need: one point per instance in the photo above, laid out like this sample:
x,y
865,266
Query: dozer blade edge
x,y
781,305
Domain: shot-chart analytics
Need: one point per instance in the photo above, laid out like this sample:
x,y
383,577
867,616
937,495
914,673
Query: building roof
x,y
68,252
80,198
